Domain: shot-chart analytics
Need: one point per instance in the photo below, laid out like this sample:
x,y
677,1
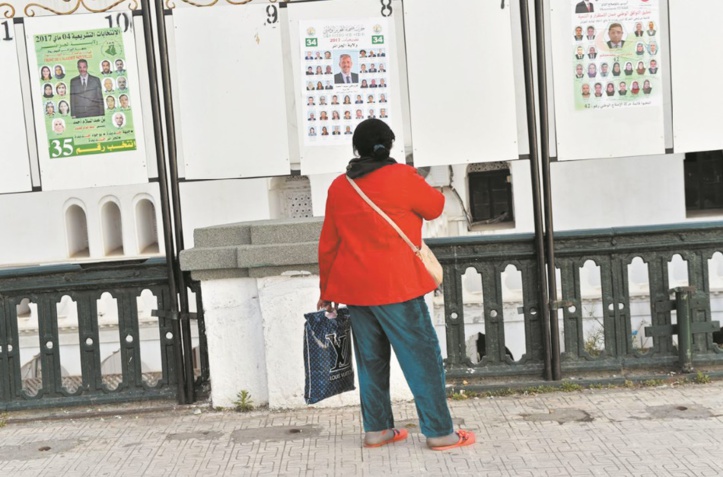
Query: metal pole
x,y
545,150
175,197
685,334
163,190
535,173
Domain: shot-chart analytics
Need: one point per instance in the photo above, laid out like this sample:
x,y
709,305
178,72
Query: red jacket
x,y
362,259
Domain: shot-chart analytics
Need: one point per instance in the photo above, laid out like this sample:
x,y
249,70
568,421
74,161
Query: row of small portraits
x,y
359,99
61,89
372,83
58,124
347,115
640,50
364,69
104,67
336,130
326,55
610,90
628,70
111,104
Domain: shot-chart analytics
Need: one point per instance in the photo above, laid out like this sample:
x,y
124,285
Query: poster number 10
x,y
6,26
121,21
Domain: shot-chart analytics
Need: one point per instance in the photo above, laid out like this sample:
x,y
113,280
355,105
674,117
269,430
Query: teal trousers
x,y
407,328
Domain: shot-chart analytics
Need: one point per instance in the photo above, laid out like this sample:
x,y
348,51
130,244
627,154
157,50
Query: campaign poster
x,y
82,86
615,54
344,77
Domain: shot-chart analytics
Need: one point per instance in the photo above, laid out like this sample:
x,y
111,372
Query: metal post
x,y
175,196
535,173
685,334
547,188
163,190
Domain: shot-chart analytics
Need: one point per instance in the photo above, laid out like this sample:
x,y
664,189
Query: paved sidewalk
x,y
665,431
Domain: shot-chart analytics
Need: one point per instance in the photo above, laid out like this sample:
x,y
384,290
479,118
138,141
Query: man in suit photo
x,y
615,32
585,6
346,75
86,95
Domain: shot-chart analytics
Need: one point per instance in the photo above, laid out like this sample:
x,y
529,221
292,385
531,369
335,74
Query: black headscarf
x,y
361,166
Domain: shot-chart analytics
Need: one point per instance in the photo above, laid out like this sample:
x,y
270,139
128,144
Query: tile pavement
x,y
657,432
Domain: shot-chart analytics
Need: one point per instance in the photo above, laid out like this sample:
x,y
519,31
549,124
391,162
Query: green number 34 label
x,y
61,147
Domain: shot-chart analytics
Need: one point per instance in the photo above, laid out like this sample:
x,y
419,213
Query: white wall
x,y
586,194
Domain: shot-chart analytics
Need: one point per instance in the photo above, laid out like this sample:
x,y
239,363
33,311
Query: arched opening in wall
x,y
291,197
146,227
677,277
593,314
112,229
514,321
715,282
69,343
76,229
640,313
490,195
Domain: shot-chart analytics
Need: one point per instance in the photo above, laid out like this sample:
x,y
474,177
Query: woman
x,y
61,89
616,69
63,108
335,115
49,109
635,88
641,68
386,304
347,99
45,74
628,68
364,84
59,72
48,91
647,88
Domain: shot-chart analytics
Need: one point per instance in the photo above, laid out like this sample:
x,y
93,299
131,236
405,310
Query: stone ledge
x,y
254,249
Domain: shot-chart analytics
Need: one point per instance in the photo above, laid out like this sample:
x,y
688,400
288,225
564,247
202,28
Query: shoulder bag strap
x,y
414,248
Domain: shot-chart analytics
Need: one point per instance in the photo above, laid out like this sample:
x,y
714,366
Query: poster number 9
x,y
61,149
272,14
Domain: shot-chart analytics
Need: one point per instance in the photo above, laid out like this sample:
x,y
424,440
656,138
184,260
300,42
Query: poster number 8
x,y
61,149
386,8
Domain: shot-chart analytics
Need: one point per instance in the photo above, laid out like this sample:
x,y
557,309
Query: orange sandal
x,y
466,438
399,435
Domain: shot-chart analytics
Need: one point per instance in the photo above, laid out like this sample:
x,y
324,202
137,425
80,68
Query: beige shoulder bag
x,y
424,253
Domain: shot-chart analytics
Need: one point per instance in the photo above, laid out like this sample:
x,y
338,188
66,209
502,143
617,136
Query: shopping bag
x,y
327,355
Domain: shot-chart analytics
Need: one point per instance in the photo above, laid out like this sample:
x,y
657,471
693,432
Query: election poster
x,y
82,86
615,54
344,77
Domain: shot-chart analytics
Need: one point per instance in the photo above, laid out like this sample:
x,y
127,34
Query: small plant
x,y
244,402
460,396
652,383
596,386
628,384
500,392
568,387
701,378
3,420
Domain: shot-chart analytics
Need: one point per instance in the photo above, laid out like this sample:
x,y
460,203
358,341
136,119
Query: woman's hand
x,y
326,305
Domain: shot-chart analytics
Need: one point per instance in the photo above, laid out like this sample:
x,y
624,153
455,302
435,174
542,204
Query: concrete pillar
x,y
258,279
